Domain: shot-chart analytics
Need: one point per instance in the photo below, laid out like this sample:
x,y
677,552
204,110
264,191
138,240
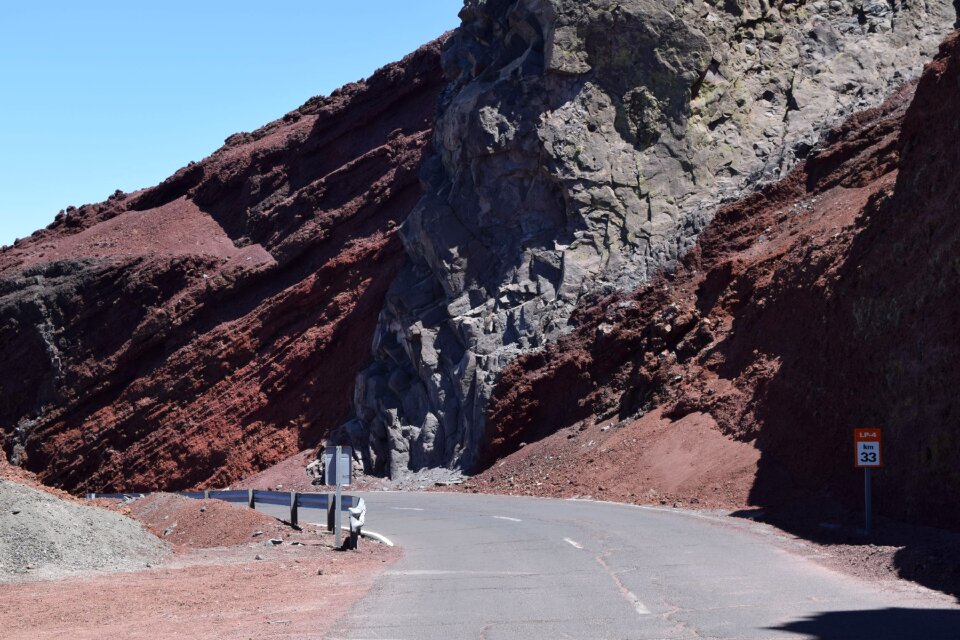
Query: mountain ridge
x,y
197,332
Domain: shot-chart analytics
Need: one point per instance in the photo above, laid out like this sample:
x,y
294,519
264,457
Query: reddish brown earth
x,y
197,332
198,524
649,460
24,477
287,475
220,593
222,583
829,301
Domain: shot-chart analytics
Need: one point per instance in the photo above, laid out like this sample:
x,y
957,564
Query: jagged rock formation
x,y
827,301
581,147
196,332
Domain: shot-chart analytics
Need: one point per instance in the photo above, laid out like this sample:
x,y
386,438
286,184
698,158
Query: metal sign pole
x,y
868,451
338,541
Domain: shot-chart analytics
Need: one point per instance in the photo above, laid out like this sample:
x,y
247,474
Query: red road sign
x,y
867,446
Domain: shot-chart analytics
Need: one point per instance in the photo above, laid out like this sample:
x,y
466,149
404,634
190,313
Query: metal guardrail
x,y
252,497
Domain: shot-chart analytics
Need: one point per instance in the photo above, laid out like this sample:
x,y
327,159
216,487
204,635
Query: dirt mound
x,y
827,302
42,536
208,328
185,522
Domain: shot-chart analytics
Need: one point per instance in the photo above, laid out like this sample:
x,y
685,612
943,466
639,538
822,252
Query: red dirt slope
x,y
829,301
199,524
143,336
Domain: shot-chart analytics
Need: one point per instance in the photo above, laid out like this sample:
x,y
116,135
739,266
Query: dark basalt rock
x,y
580,148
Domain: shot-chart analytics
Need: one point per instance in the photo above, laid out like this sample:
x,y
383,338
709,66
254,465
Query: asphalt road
x,y
494,567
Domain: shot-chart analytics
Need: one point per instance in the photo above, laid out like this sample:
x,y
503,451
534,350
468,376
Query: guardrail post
x,y
206,494
293,509
91,496
330,507
337,534
251,499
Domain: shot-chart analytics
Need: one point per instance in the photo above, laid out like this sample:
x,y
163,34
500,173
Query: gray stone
x,y
580,148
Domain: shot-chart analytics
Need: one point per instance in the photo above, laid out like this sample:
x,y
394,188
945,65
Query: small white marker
x,y
506,518
573,543
638,606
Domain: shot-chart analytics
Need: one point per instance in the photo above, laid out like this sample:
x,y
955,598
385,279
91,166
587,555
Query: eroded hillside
x,y
201,330
825,302
581,148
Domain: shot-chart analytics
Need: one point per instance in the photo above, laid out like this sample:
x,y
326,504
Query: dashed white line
x,y
573,543
406,509
506,518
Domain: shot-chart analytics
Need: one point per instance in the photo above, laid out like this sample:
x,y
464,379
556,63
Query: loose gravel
x,y
45,537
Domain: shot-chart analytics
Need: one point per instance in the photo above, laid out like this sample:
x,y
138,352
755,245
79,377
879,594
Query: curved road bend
x,y
496,567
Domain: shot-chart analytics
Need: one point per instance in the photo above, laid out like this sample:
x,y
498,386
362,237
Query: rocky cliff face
x,y
211,326
580,148
826,302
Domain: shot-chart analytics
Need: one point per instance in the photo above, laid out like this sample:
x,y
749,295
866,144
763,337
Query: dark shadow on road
x,y
880,624
925,555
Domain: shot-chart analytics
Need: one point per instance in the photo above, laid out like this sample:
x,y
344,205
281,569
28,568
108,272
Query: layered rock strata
x,y
199,331
823,303
580,148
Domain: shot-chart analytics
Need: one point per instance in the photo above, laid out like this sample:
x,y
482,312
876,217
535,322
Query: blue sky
x,y
104,95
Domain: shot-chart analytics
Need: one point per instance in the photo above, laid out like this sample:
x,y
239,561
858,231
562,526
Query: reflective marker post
x,y
867,446
337,540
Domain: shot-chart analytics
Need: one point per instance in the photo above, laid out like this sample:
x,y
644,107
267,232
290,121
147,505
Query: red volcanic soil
x,y
227,594
648,460
829,301
197,332
287,475
223,582
197,524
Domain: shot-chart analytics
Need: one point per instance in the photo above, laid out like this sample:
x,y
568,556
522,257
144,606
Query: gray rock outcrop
x,y
45,537
581,147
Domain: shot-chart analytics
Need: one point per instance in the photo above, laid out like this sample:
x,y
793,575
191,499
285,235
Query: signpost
x,y
338,470
869,456
337,465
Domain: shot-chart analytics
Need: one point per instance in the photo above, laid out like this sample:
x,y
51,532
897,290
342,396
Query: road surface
x,y
496,567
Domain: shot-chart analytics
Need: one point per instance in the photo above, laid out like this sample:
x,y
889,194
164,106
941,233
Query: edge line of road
x,y
365,533
379,537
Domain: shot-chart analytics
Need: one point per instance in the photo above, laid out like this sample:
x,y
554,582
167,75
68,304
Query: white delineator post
x,y
338,540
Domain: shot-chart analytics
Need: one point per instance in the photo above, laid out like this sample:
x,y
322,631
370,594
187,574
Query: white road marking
x,y
573,543
406,509
366,533
639,606
506,518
